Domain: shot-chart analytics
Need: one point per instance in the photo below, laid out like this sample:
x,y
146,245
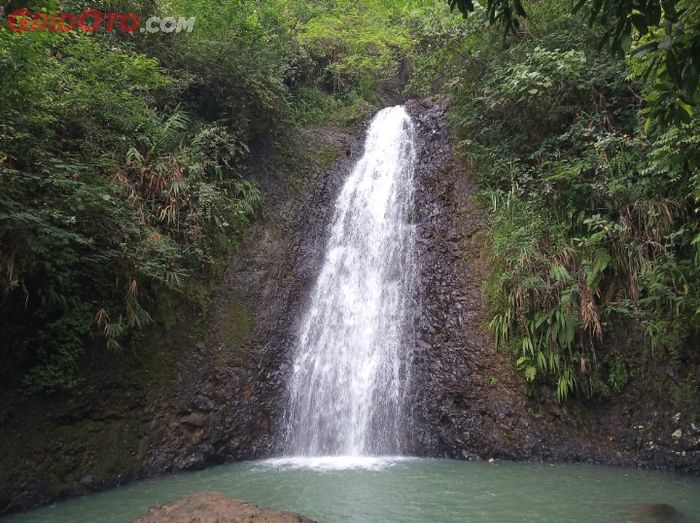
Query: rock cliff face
x,y
230,389
468,400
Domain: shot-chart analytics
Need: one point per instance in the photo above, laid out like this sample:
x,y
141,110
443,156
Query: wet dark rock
x,y
195,419
655,513
456,412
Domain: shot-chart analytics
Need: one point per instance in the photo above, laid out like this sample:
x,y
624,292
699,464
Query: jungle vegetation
x,y
583,131
122,155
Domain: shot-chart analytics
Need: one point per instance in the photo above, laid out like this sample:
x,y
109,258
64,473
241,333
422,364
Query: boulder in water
x,y
655,513
214,507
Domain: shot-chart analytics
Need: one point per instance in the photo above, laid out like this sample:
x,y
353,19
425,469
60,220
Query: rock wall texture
x,y
468,400
230,389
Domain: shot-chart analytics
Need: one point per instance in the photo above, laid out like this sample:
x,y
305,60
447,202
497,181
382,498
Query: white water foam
x,y
331,463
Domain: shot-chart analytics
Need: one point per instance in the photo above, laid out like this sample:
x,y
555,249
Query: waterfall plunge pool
x,y
374,489
345,396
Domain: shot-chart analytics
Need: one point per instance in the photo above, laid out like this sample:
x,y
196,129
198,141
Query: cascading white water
x,y
347,383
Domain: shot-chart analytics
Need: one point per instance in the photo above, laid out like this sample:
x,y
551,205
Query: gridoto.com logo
x,y
92,20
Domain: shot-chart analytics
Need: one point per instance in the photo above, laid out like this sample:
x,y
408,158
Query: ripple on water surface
x,y
387,489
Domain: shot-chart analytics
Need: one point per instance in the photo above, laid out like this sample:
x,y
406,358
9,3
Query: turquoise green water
x,y
402,490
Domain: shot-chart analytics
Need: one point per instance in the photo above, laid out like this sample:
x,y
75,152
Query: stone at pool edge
x,y
655,513
214,507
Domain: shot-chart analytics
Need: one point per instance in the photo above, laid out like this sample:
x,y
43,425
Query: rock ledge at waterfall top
x,y
212,507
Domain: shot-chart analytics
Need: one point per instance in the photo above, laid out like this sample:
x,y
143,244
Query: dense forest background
x,y
122,165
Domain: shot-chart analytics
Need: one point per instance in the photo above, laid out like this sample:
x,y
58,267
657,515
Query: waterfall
x,y
348,377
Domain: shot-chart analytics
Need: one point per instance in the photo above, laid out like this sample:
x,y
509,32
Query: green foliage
x,y
666,36
310,105
619,373
107,196
351,48
447,50
594,216
122,156
58,343
233,66
505,13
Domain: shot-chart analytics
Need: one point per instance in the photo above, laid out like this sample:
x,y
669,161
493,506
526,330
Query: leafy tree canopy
x,y
664,33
